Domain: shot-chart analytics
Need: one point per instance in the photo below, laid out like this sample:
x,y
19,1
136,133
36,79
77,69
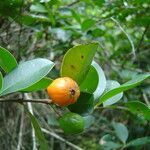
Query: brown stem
x,y
44,101
113,107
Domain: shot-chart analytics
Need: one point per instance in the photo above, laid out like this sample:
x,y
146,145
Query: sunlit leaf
x,y
77,61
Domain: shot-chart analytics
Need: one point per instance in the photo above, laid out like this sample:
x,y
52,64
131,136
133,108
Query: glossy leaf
x,y
139,108
124,87
89,85
101,81
88,121
95,81
121,131
1,80
111,84
38,132
26,75
77,61
84,104
107,143
40,85
139,141
7,60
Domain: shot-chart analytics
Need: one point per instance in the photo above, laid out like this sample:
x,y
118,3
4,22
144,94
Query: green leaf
x,y
38,8
76,16
84,105
25,75
26,19
39,18
101,81
124,87
121,131
88,121
99,2
87,24
111,84
107,143
97,32
39,134
7,60
139,108
40,85
94,82
1,81
139,141
87,85
110,145
77,61
29,19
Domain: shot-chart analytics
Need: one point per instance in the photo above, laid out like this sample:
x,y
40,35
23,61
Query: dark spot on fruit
x,y
72,91
82,56
72,66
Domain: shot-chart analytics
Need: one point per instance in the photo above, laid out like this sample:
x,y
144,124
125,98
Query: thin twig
x,y
44,101
61,139
33,131
114,107
57,112
20,131
73,3
142,38
129,38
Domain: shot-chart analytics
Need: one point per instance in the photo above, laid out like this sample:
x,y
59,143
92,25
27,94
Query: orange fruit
x,y
63,91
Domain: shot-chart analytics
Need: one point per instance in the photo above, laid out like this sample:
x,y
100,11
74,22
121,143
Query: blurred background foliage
x,y
48,28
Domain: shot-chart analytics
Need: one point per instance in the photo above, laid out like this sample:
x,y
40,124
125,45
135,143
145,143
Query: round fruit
x,y
71,123
63,91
